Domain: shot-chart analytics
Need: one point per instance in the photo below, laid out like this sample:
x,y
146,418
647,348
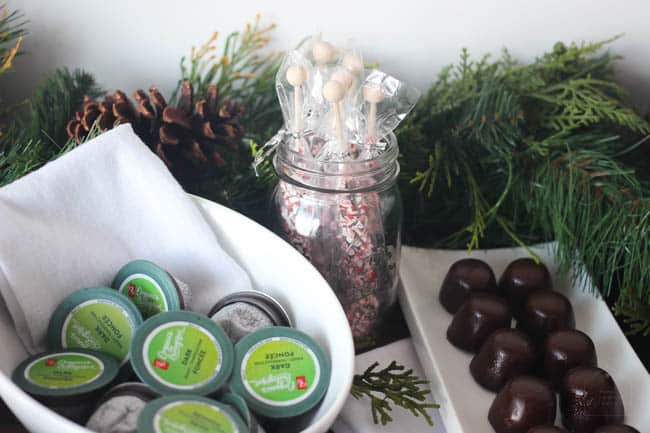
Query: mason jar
x,y
345,216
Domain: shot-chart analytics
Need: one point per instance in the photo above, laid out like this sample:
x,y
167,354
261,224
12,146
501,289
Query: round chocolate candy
x,y
476,319
506,353
590,399
522,277
523,403
463,277
564,350
547,429
616,428
544,312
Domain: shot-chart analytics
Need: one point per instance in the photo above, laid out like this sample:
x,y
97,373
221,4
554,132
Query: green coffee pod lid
x,y
98,319
65,373
189,414
152,289
281,372
182,352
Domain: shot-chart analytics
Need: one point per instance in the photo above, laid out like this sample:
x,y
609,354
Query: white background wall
x,y
136,43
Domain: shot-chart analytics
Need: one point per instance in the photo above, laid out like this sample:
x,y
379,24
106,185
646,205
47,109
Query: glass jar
x,y
345,217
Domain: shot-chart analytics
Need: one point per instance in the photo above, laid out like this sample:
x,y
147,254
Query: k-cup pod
x,y
67,381
181,352
241,313
281,372
98,319
117,411
152,289
189,413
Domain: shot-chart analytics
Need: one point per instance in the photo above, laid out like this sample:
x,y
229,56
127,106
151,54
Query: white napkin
x,y
356,416
75,222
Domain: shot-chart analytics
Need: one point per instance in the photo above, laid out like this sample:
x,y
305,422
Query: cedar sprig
x,y
243,71
635,313
392,385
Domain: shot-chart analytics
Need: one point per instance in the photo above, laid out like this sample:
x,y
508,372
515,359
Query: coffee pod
x,y
280,372
522,277
544,312
99,319
241,313
564,350
189,414
507,353
181,352
238,403
151,288
67,381
589,399
523,403
118,410
476,319
463,277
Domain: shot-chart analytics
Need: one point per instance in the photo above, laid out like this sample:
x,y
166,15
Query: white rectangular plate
x,y
464,404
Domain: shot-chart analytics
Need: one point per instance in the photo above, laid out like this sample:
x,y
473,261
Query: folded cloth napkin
x,y
356,416
76,221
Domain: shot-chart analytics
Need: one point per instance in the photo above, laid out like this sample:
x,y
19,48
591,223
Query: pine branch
x,y
12,31
55,101
393,385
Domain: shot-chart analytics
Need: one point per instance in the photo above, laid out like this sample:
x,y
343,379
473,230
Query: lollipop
x,y
373,95
333,92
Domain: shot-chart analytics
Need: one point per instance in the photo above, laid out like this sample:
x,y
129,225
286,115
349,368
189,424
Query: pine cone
x,y
194,139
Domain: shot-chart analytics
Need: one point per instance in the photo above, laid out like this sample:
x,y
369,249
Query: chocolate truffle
x,y
589,399
506,353
544,312
564,350
547,429
522,277
524,402
616,428
476,319
463,277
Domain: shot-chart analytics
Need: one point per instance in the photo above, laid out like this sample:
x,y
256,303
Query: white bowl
x,y
276,268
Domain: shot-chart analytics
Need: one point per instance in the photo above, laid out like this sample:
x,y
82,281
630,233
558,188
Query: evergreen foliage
x,y
498,154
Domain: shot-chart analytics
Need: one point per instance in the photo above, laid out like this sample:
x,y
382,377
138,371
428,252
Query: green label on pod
x,y
280,371
182,355
145,293
99,325
193,417
64,371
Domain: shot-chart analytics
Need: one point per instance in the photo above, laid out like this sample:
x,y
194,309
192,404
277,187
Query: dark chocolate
x,y
616,428
463,277
544,312
523,403
476,319
564,350
590,399
506,353
548,429
522,277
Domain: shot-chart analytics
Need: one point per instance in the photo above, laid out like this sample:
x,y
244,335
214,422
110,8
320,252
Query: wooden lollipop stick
x,y
373,95
333,92
296,76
